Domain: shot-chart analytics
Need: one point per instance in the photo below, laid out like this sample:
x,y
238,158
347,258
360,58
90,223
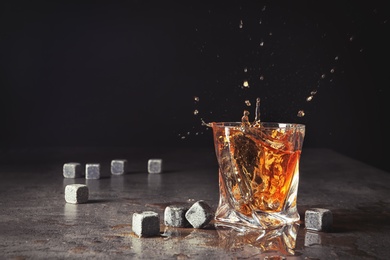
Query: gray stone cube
x,y
92,171
119,166
318,219
72,170
175,216
146,224
76,193
154,165
199,214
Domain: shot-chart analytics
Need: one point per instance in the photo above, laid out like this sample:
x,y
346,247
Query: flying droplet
x,y
245,118
261,77
336,58
301,113
248,103
204,123
241,24
245,84
332,70
196,98
257,112
245,69
261,44
309,98
196,112
323,76
313,92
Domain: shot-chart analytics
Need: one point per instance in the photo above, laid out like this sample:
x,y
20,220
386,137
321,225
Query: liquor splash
x,y
263,53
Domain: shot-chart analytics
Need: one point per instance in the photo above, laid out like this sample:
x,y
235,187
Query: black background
x,y
125,73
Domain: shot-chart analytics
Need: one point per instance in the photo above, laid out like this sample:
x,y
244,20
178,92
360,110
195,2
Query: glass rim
x,y
263,124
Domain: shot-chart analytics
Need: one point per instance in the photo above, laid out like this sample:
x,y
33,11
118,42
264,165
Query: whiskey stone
x,y
155,165
175,216
199,214
146,224
92,171
318,219
76,193
72,170
118,167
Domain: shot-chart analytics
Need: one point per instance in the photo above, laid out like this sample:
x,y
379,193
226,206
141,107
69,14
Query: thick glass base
x,y
226,216
279,241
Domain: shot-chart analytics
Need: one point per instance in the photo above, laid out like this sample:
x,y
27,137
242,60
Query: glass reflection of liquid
x,y
279,241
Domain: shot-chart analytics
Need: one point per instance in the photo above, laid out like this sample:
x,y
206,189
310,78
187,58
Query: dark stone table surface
x,y
37,223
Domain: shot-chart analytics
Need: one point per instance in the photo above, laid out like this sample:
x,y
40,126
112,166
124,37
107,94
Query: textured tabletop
x,y
37,223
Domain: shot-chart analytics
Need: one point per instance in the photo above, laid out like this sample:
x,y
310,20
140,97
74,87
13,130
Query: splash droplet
x,y
301,113
204,123
245,118
257,112
248,103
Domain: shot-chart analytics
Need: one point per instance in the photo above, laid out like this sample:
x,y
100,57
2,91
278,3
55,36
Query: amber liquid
x,y
257,166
